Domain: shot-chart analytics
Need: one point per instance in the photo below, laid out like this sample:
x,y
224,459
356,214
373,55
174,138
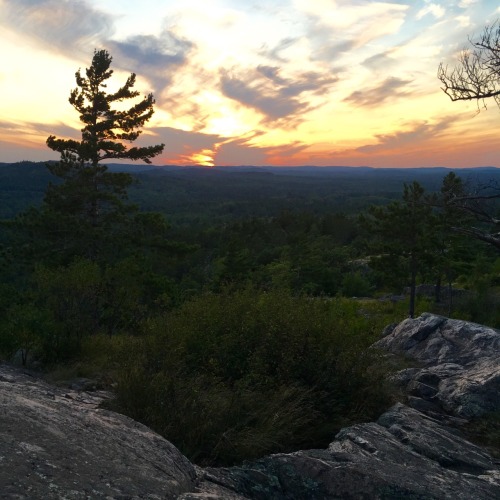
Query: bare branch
x,y
492,239
477,76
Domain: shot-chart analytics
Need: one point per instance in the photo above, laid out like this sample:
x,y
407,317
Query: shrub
x,y
236,375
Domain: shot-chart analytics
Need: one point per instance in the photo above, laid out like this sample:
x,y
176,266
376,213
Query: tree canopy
x,y
402,235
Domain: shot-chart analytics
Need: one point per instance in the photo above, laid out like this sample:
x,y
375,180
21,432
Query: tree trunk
x,y
438,290
413,285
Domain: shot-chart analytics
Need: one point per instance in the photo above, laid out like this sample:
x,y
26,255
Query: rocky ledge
x,y
460,365
57,443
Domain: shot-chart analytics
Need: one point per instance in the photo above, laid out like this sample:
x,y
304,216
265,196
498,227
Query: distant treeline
x,y
191,195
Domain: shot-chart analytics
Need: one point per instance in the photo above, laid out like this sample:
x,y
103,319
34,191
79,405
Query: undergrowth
x,y
233,376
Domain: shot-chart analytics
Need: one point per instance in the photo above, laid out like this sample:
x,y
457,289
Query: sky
x,y
250,82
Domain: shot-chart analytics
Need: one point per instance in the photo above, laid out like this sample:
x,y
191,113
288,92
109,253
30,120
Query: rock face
x,y
403,455
460,371
59,444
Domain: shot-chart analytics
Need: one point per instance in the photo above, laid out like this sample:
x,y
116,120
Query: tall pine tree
x,y
86,207
83,261
402,235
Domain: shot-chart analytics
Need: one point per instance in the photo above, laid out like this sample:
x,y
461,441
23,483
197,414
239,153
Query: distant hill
x,y
187,194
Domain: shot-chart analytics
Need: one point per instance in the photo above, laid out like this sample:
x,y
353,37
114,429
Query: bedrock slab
x,y
405,454
58,444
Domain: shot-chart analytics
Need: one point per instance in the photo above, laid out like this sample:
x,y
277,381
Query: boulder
x,y
459,363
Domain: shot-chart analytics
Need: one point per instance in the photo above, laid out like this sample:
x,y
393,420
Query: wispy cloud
x,y
274,96
380,60
70,26
12,128
434,9
31,135
268,101
65,25
392,88
154,56
339,27
464,4
276,53
417,133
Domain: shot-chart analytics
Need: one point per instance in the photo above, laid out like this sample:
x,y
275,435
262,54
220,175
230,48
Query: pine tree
x,y
454,251
82,261
88,205
106,127
402,234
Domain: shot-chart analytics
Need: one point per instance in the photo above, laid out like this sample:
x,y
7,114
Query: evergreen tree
x,y
83,261
86,207
105,127
402,235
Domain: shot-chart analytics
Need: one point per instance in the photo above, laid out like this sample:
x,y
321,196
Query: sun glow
x,y
204,158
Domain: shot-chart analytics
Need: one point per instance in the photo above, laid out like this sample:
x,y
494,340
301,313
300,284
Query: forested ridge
x,y
224,193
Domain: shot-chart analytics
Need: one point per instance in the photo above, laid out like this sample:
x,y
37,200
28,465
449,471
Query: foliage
x,y
235,375
297,251
402,236
84,213
24,331
104,127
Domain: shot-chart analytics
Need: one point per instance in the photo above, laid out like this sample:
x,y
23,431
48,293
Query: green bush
x,y
233,376
24,330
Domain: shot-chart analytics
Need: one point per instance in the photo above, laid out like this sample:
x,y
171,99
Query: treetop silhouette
x,y
104,127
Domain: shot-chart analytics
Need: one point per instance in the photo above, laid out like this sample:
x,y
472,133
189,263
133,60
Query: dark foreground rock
x,y
60,444
403,455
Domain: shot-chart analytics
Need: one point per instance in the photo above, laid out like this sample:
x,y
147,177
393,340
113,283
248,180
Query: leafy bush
x,y
236,375
355,285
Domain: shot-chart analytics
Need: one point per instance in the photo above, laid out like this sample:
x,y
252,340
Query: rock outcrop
x,y
60,444
405,454
460,365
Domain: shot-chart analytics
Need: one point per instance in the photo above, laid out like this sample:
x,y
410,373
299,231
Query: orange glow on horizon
x,y
204,158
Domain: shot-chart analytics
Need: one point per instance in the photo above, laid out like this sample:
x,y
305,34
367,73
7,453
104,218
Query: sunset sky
x,y
274,82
